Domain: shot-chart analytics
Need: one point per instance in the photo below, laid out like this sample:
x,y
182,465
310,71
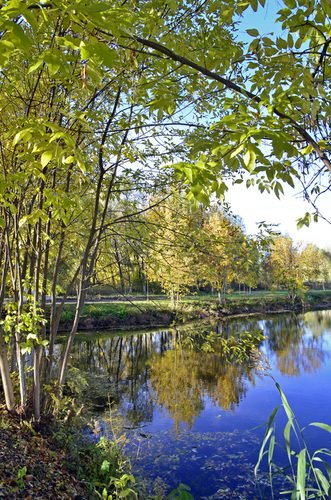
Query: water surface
x,y
190,416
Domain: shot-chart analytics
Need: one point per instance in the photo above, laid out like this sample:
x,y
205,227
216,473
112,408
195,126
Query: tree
x,y
94,98
285,266
222,243
273,123
311,263
68,135
171,259
325,268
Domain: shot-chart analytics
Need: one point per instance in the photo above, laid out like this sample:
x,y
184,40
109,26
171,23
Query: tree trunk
x,y
67,351
4,365
36,382
21,372
5,376
92,245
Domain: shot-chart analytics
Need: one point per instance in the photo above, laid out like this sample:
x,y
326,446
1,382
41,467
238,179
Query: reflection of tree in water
x,y
237,326
318,322
178,369
228,387
180,372
296,350
118,372
181,378
175,380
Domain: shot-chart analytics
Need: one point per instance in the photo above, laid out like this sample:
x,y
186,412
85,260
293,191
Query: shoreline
x,y
120,315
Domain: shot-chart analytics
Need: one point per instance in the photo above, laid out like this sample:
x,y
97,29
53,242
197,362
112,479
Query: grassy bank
x,y
135,314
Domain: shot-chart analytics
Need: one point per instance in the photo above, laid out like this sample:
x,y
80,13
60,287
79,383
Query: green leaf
x,y
68,160
323,480
301,474
271,450
203,198
31,19
105,466
236,151
99,53
18,36
22,134
46,158
253,32
307,150
249,159
286,405
268,434
188,173
35,66
281,43
254,5
53,61
291,4
325,427
267,41
304,221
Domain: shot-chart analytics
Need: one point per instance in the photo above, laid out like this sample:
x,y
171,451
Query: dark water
x,y
190,416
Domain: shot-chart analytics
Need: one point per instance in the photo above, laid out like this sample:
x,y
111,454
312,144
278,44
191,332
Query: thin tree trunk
x,y
4,366
19,296
36,382
95,235
5,376
70,341
119,266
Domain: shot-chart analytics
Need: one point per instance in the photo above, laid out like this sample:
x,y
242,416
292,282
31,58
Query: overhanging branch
x,y
158,47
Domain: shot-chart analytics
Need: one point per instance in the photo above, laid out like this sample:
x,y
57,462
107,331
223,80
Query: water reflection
x,y
183,376
177,369
318,322
297,342
191,415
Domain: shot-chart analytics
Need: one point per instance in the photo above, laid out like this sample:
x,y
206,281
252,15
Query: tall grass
x,y
308,474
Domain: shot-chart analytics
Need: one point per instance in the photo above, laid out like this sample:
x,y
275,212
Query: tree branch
x,y
239,90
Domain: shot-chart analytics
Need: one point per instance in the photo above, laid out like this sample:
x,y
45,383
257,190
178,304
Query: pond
x,y
192,417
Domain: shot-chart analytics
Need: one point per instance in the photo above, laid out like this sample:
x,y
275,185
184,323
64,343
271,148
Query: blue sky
x,y
263,19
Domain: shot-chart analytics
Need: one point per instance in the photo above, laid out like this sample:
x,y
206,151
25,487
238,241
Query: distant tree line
x,y
177,249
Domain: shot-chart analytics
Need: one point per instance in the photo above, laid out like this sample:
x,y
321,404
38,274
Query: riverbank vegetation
x,y
57,461
160,311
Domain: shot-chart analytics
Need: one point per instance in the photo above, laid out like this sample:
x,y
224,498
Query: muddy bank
x,y
131,320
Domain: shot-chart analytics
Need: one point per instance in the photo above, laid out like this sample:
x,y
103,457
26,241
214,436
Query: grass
x,y
160,312
308,473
